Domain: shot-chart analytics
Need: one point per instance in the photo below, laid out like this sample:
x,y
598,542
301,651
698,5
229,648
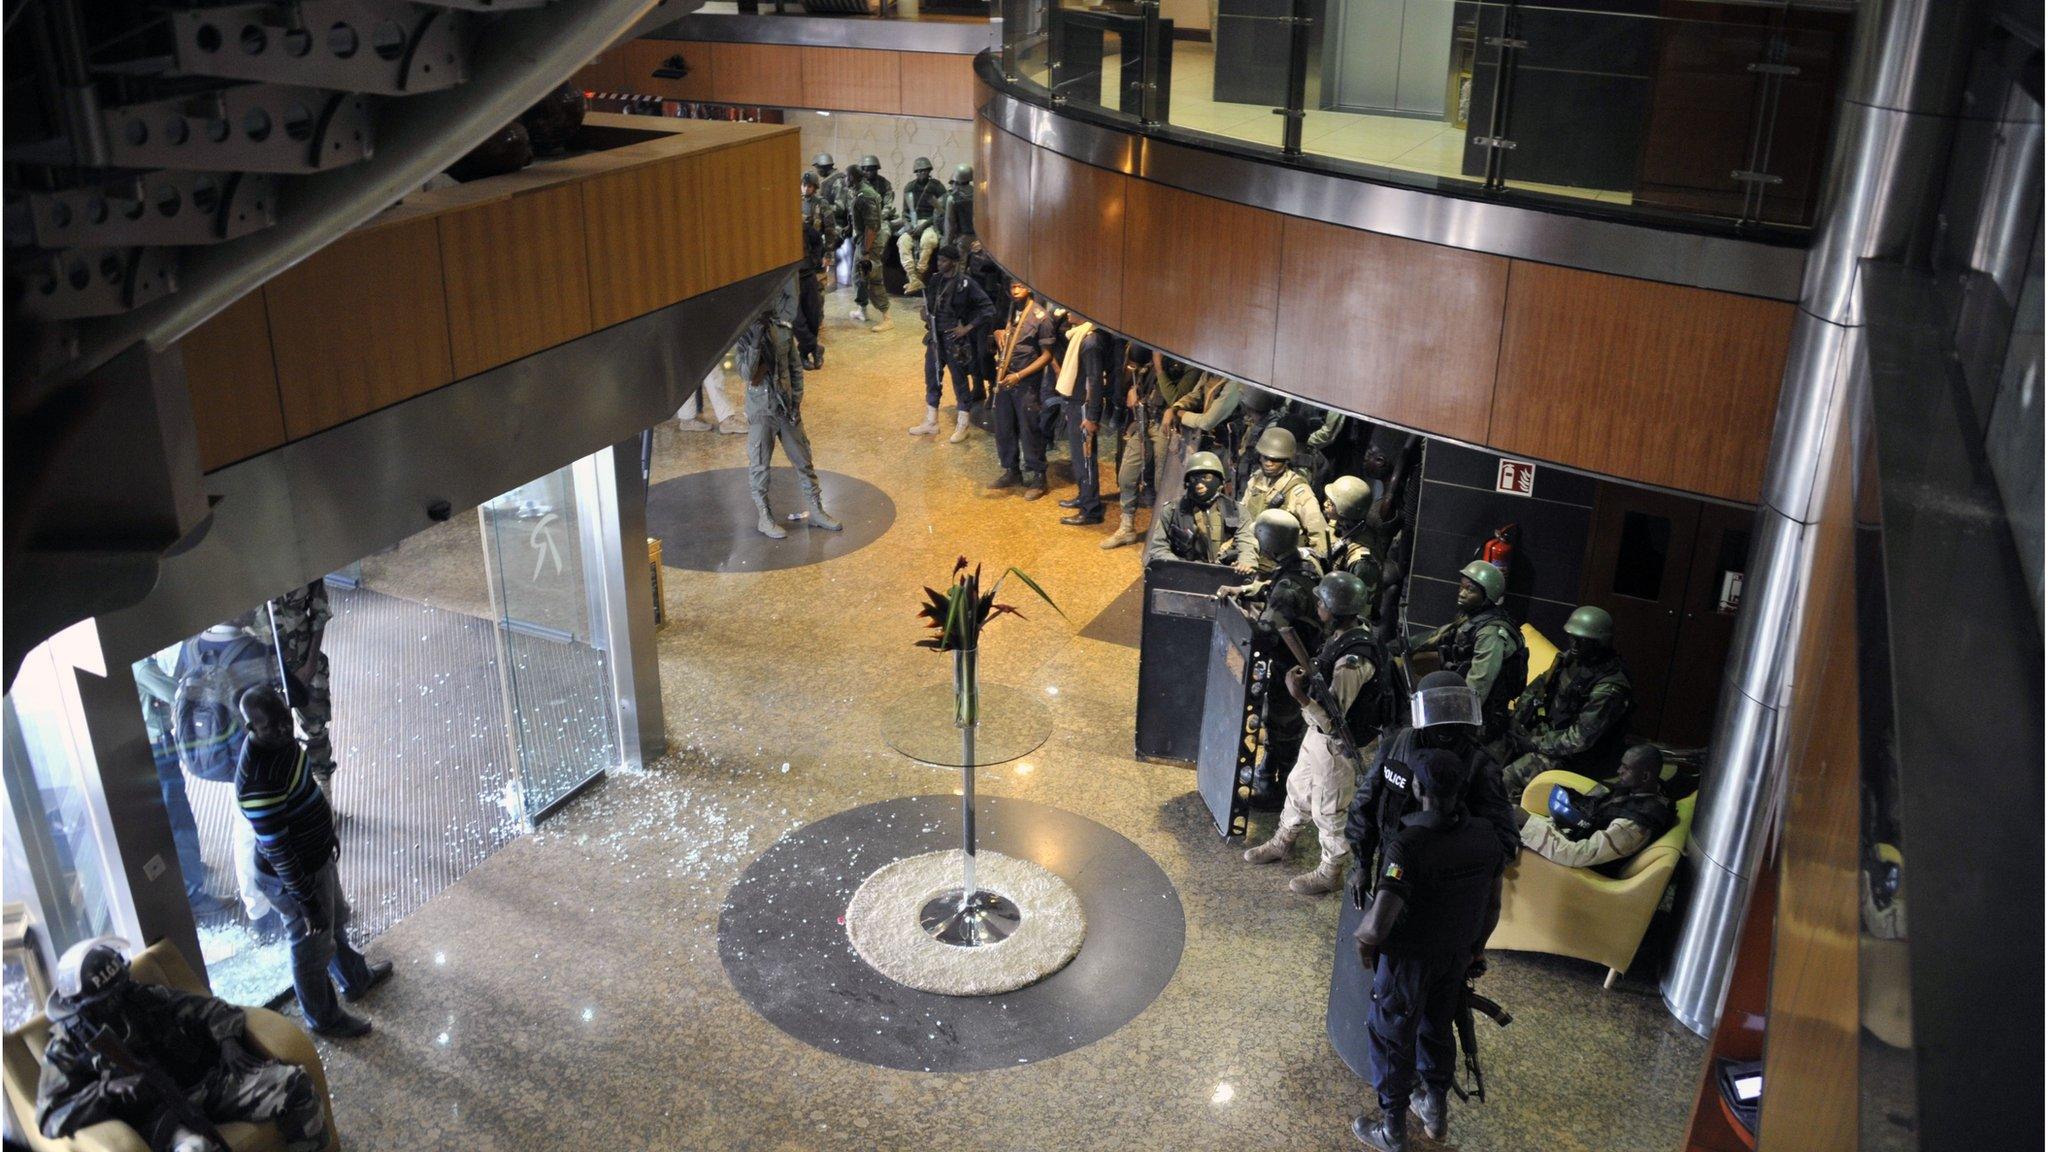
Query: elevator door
x,y
1637,564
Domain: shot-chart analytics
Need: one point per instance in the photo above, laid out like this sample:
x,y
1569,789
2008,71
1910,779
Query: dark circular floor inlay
x,y
705,520
785,949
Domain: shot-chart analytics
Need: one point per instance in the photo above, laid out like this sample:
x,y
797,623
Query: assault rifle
x,y
1319,691
1469,1002
109,1048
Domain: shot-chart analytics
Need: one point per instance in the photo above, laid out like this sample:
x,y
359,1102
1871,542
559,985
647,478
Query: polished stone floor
x,y
568,993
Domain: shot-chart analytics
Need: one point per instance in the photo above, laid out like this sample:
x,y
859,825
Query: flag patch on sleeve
x,y
1393,871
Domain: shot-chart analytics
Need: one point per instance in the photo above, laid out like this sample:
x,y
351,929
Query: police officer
x,y
1200,526
1023,352
1484,646
199,1044
820,238
1283,596
1436,902
1277,485
1444,715
955,310
1094,356
300,618
1347,676
956,216
869,230
775,399
1347,501
1575,716
922,198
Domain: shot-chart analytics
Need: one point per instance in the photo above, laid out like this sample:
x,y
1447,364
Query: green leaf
x,y
1033,585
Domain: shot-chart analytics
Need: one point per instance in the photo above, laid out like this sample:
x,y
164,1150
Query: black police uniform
x,y
1019,445
949,302
1444,867
1383,802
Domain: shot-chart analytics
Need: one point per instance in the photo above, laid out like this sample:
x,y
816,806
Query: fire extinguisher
x,y
1499,550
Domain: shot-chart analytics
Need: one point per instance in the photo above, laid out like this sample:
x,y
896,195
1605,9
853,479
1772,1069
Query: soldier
x,y
820,238
1484,646
955,310
1607,825
1283,595
1347,503
775,399
1347,676
105,1025
299,618
868,232
1276,484
922,198
1575,716
831,181
1024,352
956,215
1150,388
871,167
1200,526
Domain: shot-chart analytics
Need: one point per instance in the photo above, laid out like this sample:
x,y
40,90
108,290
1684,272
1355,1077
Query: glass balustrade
x,y
1667,110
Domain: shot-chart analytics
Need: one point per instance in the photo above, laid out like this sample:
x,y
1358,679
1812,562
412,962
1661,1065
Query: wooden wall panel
x,y
518,277
1002,197
936,84
642,57
606,72
759,225
233,383
1388,327
360,324
770,74
1077,235
1205,277
1654,382
857,79
1813,1034
641,226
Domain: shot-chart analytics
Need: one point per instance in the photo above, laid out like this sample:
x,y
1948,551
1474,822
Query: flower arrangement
x,y
958,615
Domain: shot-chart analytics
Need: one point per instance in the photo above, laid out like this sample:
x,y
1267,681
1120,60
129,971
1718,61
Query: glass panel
x,y
547,577
57,863
1232,84
1645,547
1722,115
1026,42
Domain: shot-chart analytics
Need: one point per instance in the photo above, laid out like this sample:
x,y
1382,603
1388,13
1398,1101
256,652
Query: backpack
x,y
206,714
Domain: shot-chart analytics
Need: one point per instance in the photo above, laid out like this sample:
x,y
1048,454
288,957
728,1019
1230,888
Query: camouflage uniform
x,y
869,236
301,617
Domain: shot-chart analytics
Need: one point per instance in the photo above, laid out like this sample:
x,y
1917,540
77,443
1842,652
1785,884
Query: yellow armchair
x,y
269,1034
1580,912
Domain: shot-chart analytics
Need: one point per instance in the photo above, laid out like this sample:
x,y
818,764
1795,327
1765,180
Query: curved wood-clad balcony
x,y
1630,351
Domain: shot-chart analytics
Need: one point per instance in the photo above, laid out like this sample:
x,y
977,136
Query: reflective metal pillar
x,y
1896,115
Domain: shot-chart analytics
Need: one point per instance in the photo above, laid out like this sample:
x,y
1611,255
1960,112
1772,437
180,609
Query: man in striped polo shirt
x,y
295,842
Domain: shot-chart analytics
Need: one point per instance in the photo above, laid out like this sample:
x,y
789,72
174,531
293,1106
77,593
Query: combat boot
x,y
1009,479
766,525
1389,1134
885,324
1429,1107
1327,878
959,429
821,518
1275,850
859,312
930,425
1126,531
1034,485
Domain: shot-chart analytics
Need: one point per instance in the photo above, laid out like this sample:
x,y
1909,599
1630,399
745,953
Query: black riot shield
x,y
1223,770
1173,649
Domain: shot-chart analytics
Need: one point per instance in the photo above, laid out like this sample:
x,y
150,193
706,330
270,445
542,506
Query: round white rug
x,y
882,922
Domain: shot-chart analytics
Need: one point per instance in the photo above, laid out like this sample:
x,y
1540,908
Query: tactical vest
x,y
1648,810
1369,711
1458,654
1185,534
1571,687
